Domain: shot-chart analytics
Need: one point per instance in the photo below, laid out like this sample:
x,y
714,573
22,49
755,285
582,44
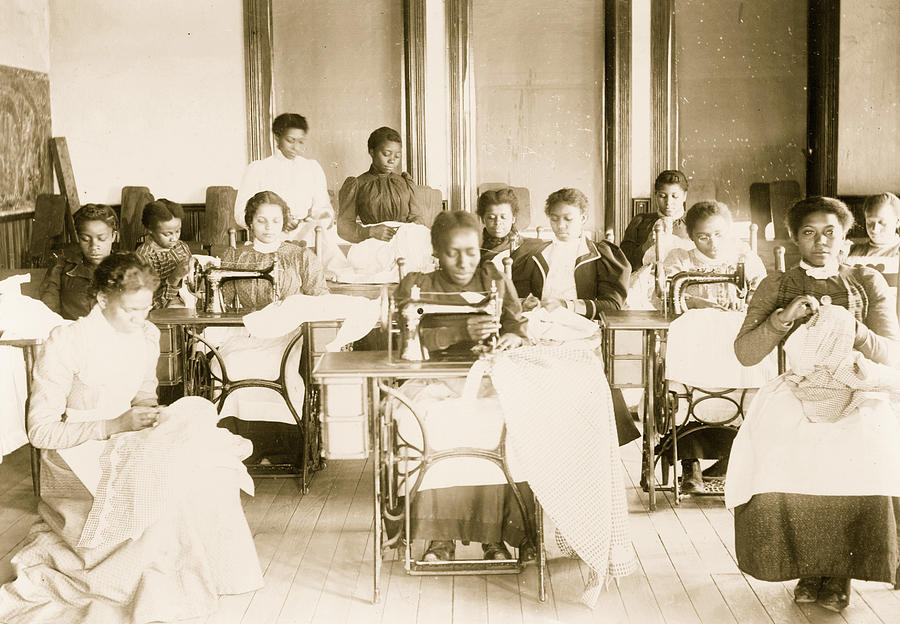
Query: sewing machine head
x,y
434,326
676,284
207,283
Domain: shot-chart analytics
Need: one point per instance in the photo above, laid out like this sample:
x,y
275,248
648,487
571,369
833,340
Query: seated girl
x,y
164,250
260,413
498,211
815,491
572,271
132,528
670,190
66,288
882,223
699,352
379,195
479,513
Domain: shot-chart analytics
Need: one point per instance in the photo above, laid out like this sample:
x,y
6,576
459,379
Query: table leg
x,y
375,433
649,348
28,353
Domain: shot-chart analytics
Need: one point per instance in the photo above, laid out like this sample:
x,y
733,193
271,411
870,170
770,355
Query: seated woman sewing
x,y
260,413
699,352
479,513
140,517
813,478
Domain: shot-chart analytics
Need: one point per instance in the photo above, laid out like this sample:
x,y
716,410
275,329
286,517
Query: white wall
x,y
149,94
25,34
642,174
869,98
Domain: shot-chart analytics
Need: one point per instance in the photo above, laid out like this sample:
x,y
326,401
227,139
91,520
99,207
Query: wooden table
x,y
654,326
376,369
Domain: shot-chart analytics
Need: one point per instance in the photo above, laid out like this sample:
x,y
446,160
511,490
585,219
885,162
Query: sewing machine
x,y
430,323
206,283
676,284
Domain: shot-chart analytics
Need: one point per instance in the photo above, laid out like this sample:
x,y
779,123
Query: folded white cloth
x,y
374,261
283,317
560,325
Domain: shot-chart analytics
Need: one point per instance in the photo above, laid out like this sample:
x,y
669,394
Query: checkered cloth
x,y
561,428
828,376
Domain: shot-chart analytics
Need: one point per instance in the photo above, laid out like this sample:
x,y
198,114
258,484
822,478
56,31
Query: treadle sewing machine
x,y
206,283
676,284
430,324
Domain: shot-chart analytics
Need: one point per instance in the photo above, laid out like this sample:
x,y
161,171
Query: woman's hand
x,y
382,232
530,303
480,326
135,419
509,341
552,304
801,308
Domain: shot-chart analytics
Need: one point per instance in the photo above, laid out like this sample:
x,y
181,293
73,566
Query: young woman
x,y
379,195
139,541
818,500
258,413
498,211
669,194
478,513
298,180
164,250
572,270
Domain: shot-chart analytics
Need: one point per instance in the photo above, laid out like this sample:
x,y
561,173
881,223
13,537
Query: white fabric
x,y
139,470
560,325
561,257
374,261
700,352
668,242
823,272
21,317
640,289
359,316
778,449
262,247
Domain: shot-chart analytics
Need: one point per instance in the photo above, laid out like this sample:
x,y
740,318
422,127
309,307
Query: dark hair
x,y
383,135
805,207
496,198
121,273
877,201
671,176
96,212
448,222
286,121
266,197
160,211
702,211
570,196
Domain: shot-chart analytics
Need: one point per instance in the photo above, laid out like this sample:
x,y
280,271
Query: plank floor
x,y
316,554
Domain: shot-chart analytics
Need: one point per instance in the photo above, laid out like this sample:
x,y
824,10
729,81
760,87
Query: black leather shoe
x,y
496,551
834,594
691,476
807,589
440,550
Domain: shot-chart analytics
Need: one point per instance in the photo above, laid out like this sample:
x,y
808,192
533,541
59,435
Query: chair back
x,y
218,216
134,198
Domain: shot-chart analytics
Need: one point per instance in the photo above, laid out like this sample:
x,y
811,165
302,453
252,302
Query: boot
x,y
691,476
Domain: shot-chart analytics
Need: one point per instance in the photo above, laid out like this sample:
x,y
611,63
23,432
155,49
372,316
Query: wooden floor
x,y
316,553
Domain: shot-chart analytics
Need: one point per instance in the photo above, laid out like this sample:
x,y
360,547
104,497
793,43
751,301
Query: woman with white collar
x,y
572,271
299,181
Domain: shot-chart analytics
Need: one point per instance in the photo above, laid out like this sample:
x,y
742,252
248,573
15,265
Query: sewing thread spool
x,y
754,232
319,242
779,259
401,264
507,267
232,238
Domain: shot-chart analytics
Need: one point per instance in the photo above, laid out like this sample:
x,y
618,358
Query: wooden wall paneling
x,y
617,24
258,77
15,235
462,106
65,178
414,86
823,74
664,104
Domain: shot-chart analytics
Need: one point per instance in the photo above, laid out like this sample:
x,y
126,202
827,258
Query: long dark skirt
x,y
779,537
477,513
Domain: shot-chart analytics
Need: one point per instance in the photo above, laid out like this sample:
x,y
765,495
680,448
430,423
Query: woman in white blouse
x,y
298,180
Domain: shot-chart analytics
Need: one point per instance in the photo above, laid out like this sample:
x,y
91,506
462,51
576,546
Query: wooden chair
x,y
770,201
134,198
217,226
48,231
523,195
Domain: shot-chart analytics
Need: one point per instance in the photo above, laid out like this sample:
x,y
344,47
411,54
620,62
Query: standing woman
x,y
813,480
379,195
298,180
